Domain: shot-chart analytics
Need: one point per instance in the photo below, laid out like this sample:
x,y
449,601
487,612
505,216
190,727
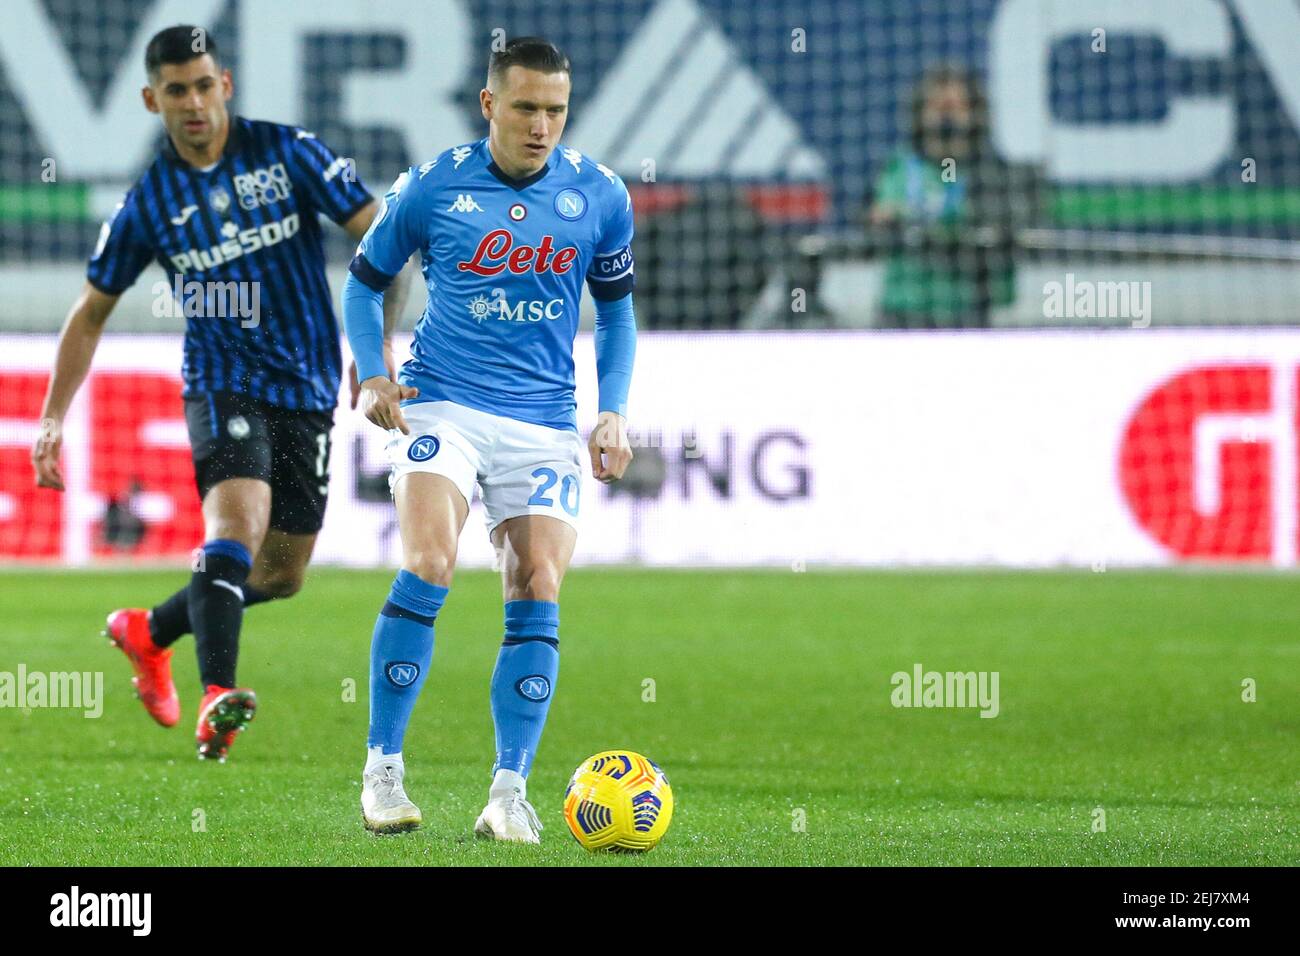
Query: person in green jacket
x,y
946,212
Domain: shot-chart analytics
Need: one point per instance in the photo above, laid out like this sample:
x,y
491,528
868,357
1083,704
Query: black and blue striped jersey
x,y
247,227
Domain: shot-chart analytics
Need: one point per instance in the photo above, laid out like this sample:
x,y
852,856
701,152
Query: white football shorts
x,y
520,468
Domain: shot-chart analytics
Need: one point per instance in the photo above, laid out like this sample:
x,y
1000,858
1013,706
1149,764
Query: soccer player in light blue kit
x,y
507,229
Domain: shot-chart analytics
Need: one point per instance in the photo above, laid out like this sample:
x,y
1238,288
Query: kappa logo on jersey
x,y
525,310
262,187
497,252
459,154
184,217
464,203
573,158
247,241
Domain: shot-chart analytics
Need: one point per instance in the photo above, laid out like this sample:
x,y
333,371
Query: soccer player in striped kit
x,y
231,204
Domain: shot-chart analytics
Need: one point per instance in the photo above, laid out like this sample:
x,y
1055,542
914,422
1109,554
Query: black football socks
x,y
170,620
216,605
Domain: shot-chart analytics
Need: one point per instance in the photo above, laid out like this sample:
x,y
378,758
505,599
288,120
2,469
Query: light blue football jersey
x,y
504,260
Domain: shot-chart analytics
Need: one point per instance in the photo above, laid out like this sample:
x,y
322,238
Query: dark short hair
x,y
944,74
178,44
532,53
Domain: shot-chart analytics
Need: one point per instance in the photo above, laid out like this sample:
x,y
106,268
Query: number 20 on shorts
x,y
568,491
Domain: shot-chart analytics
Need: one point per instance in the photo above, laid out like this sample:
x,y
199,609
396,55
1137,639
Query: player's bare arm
x,y
356,226
77,344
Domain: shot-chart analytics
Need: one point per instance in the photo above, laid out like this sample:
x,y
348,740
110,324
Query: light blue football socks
x,y
523,681
400,653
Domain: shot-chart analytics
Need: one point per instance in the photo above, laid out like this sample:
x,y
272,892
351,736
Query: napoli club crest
x,y
570,204
535,687
424,448
402,673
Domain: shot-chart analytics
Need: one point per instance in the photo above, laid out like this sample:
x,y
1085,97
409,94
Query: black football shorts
x,y
235,436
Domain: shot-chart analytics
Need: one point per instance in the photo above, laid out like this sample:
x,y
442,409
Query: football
x,y
618,801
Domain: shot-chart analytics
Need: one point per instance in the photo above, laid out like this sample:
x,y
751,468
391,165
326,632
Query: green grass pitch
x,y
771,715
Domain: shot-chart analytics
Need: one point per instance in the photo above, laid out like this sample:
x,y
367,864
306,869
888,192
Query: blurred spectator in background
x,y
946,211
123,527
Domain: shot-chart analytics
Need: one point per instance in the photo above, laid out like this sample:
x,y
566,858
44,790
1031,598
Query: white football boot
x,y
384,804
508,816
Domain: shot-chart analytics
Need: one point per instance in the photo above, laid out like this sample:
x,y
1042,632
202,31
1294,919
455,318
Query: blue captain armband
x,y
610,277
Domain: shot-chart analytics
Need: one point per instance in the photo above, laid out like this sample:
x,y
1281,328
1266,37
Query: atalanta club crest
x,y
220,200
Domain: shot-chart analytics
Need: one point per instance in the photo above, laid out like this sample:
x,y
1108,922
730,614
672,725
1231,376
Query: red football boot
x,y
128,629
225,711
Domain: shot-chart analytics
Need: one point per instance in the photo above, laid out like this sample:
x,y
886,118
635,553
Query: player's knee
x,y
538,583
280,585
432,567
